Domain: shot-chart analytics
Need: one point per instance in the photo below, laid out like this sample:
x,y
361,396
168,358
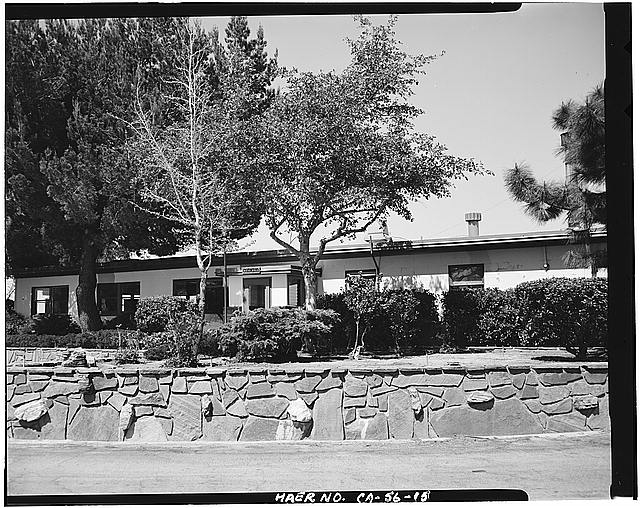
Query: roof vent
x,y
473,219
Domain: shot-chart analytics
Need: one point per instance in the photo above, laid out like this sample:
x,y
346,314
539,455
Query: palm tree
x,y
583,195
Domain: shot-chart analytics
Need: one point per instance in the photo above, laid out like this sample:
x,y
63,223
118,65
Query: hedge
x,y
154,313
102,339
555,312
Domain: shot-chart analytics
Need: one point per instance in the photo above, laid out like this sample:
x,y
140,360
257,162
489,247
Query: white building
x,y
273,278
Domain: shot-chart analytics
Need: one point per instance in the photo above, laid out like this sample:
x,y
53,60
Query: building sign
x,y
231,270
251,269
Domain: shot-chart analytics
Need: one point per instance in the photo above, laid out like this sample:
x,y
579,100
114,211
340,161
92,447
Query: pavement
x,y
550,466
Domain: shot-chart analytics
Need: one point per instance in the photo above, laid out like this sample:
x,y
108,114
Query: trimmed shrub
x,y
183,330
461,316
15,323
344,332
53,324
499,323
570,313
276,334
101,339
154,313
127,355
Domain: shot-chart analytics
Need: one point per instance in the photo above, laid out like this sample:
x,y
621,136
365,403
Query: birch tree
x,y
190,163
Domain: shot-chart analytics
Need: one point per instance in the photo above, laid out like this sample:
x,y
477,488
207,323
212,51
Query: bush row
x,y
555,312
102,339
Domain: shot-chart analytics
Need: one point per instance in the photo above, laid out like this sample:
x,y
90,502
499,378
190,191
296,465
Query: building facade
x,y
274,278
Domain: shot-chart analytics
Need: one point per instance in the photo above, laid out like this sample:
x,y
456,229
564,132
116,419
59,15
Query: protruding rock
x,y
126,417
31,411
259,429
479,398
400,415
207,405
292,431
77,358
327,416
416,403
551,394
585,402
298,411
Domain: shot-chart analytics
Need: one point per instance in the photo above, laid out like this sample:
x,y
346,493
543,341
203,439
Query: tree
x,y
582,195
67,177
191,168
339,151
363,299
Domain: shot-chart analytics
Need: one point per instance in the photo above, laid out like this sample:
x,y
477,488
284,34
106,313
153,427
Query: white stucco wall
x,y
503,268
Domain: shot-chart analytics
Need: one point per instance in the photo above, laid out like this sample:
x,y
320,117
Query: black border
x,y
619,163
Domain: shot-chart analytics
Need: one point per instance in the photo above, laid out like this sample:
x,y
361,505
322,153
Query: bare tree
x,y
189,162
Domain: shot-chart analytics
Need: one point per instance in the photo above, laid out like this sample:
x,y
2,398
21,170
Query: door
x,y
256,294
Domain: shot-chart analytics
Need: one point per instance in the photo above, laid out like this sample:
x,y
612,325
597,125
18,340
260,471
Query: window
x,y
213,293
469,276
118,298
295,297
50,300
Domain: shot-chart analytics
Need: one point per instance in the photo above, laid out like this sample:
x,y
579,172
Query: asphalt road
x,y
559,466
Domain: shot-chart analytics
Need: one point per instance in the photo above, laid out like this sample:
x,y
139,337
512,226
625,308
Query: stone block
x,y
356,430
221,428
551,394
383,402
166,380
146,429
421,427
532,379
518,380
382,389
507,417
128,380
19,379
371,400
564,406
474,384
431,390
129,390
94,424
186,413
309,398
148,384
104,396
307,384
367,412
354,387
117,401
593,376
327,416
104,383
179,385
56,388
259,390
215,371
31,411
580,387
39,377
406,380
267,408
598,390
355,401
479,398
286,390
10,392
599,419
139,411
20,432
54,423
571,422
18,400
229,396
425,399
400,415
74,407
533,405
328,382
148,399
377,428
556,377
292,431
529,392
585,402
360,372
161,412
238,409
436,404
61,399
498,378
454,397
503,392
201,387
236,380
19,390
349,415
385,370
259,429
38,386
373,380
165,391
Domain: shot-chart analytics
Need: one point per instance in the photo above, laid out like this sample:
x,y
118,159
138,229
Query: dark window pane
x,y
60,297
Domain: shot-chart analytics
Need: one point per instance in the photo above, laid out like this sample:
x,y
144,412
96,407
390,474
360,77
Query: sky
x,y
489,97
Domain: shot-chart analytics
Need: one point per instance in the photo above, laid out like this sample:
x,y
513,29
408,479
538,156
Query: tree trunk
x,y
310,285
201,296
88,314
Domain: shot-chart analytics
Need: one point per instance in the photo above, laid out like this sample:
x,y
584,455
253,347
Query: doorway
x,y
256,293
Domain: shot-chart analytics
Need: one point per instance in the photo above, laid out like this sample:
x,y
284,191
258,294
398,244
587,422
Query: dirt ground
x,y
552,466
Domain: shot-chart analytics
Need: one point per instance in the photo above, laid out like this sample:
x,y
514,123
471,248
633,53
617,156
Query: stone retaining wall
x,y
23,355
258,404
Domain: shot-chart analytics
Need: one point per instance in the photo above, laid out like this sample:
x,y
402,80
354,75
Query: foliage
x,y
571,313
15,323
125,321
555,312
402,320
337,152
54,324
127,355
276,333
154,313
101,339
156,346
363,299
582,196
184,333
